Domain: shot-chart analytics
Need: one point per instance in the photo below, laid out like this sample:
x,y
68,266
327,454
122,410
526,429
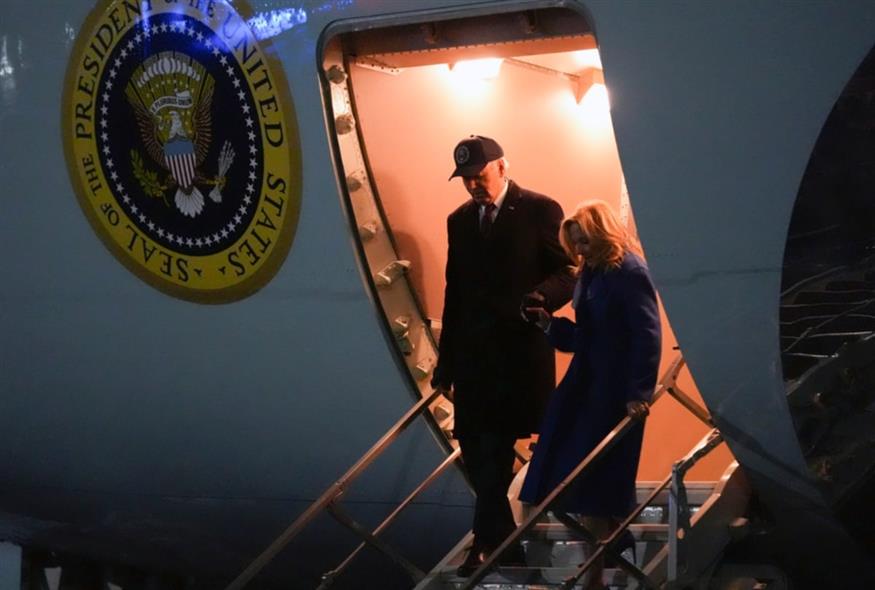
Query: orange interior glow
x,y
478,69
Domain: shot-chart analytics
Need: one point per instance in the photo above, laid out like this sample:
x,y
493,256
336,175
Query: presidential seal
x,y
181,144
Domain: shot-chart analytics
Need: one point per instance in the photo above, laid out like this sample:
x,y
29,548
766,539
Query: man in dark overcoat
x,y
503,248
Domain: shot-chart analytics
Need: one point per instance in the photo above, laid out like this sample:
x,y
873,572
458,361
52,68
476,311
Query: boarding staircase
x,y
824,313
555,548
680,529
827,322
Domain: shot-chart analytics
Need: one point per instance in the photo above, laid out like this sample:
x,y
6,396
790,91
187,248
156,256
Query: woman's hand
x,y
637,409
539,316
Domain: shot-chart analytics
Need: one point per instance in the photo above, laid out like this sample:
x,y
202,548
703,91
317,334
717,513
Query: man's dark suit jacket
x,y
502,367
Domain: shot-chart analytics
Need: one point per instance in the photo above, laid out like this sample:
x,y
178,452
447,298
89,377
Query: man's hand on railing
x,y
637,410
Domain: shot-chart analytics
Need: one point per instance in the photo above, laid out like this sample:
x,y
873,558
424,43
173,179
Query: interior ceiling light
x,y
481,69
587,58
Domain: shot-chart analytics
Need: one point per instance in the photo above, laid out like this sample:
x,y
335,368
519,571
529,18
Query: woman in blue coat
x,y
616,342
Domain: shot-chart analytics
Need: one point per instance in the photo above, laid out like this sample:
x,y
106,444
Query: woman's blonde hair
x,y
609,240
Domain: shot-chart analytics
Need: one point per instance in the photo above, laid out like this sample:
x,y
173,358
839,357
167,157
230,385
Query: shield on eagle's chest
x,y
180,159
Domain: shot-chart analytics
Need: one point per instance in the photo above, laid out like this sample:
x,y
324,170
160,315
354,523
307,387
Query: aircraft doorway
x,y
401,95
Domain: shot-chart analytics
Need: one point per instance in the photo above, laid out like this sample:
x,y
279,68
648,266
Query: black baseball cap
x,y
472,154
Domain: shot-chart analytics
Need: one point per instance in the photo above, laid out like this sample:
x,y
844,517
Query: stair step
x,y
698,493
527,578
652,515
554,531
794,312
848,323
850,285
822,344
553,552
850,297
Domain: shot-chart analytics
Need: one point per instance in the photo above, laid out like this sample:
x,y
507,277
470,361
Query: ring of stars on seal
x,y
204,43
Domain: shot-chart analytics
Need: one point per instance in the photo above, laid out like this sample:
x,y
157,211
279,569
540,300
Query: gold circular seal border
x,y
83,164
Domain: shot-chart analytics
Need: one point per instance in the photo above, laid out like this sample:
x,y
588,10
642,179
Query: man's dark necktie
x,y
486,220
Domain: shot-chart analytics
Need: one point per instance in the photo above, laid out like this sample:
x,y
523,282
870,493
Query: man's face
x,y
486,186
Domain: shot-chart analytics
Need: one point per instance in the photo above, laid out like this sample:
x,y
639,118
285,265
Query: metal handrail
x,y
346,520
333,492
684,399
603,547
808,331
666,384
708,443
329,577
678,508
606,546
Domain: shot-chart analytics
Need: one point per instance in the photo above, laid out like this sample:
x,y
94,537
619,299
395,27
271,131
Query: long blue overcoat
x,y
616,342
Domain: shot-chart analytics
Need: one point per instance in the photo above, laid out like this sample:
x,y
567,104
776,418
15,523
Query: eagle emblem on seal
x,y
171,94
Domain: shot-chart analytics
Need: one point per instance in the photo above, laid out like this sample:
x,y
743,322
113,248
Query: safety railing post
x,y
679,506
673,516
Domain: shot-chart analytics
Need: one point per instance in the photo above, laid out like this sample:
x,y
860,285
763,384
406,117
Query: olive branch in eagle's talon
x,y
147,178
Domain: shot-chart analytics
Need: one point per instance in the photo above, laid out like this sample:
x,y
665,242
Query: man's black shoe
x,y
473,561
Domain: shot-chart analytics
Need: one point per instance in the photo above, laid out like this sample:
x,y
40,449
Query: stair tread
x,y
553,551
555,531
533,575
